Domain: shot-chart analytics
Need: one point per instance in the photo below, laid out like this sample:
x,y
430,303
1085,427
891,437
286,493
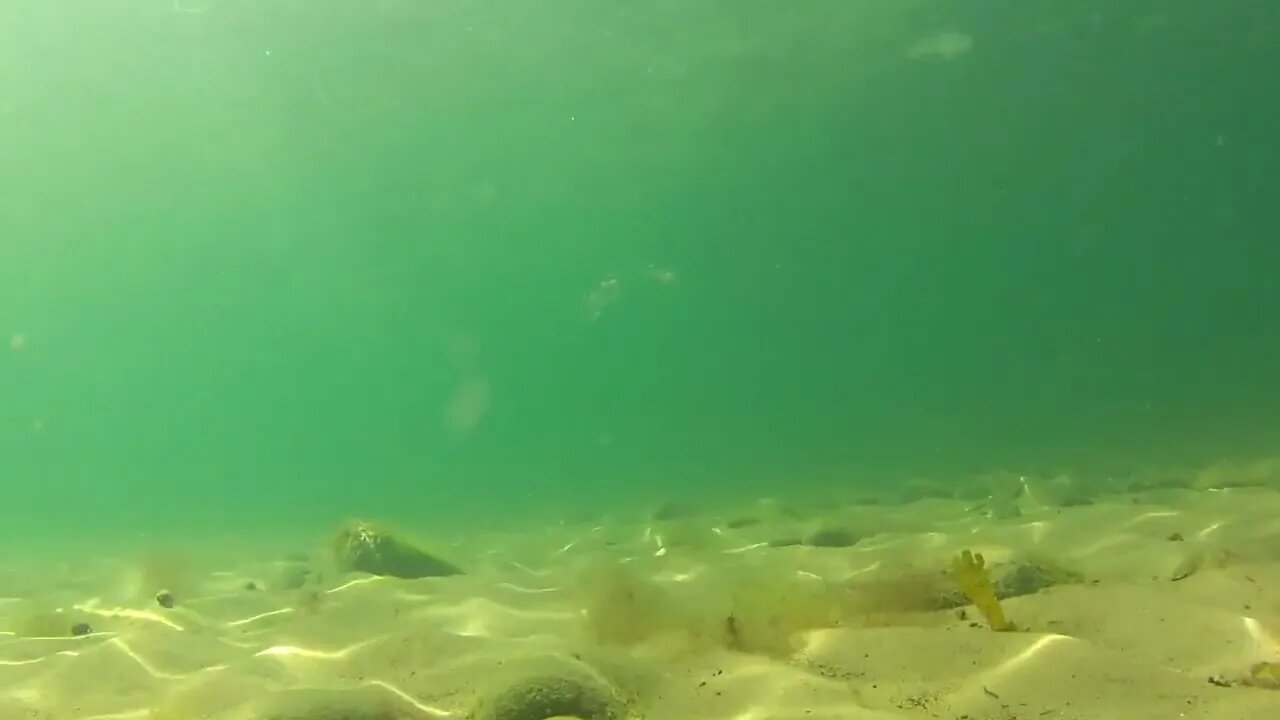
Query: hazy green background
x,y
255,250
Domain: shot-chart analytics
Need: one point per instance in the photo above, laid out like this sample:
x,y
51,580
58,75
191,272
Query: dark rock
x,y
539,698
81,629
1026,578
786,542
831,538
741,522
252,586
1175,537
165,599
361,547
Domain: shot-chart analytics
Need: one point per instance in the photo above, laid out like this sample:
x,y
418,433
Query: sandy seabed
x,y
1158,604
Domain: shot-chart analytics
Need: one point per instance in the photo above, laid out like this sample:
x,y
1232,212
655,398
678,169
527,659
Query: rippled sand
x,y
714,614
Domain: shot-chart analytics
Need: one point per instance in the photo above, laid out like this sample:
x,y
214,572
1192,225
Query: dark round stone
x,y
81,629
251,586
541,698
165,599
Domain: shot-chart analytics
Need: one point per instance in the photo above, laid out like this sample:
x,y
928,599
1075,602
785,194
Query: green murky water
x,y
280,262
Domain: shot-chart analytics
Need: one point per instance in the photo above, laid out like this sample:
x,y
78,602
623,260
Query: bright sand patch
x,y
690,618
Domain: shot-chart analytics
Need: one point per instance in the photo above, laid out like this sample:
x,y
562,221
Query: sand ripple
x,y
1127,642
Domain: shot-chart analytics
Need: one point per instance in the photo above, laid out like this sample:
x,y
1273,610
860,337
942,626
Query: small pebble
x,y
251,586
81,629
164,599
1175,537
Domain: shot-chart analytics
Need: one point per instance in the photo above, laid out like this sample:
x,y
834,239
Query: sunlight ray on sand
x,y
1267,640
259,616
425,709
126,715
1210,530
356,582
527,590
29,661
311,654
125,649
739,627
746,548
1034,651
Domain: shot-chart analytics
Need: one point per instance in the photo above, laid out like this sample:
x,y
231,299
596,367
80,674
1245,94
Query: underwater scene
x,y
657,360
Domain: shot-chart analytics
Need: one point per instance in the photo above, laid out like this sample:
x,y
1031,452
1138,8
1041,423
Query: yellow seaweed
x,y
970,572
